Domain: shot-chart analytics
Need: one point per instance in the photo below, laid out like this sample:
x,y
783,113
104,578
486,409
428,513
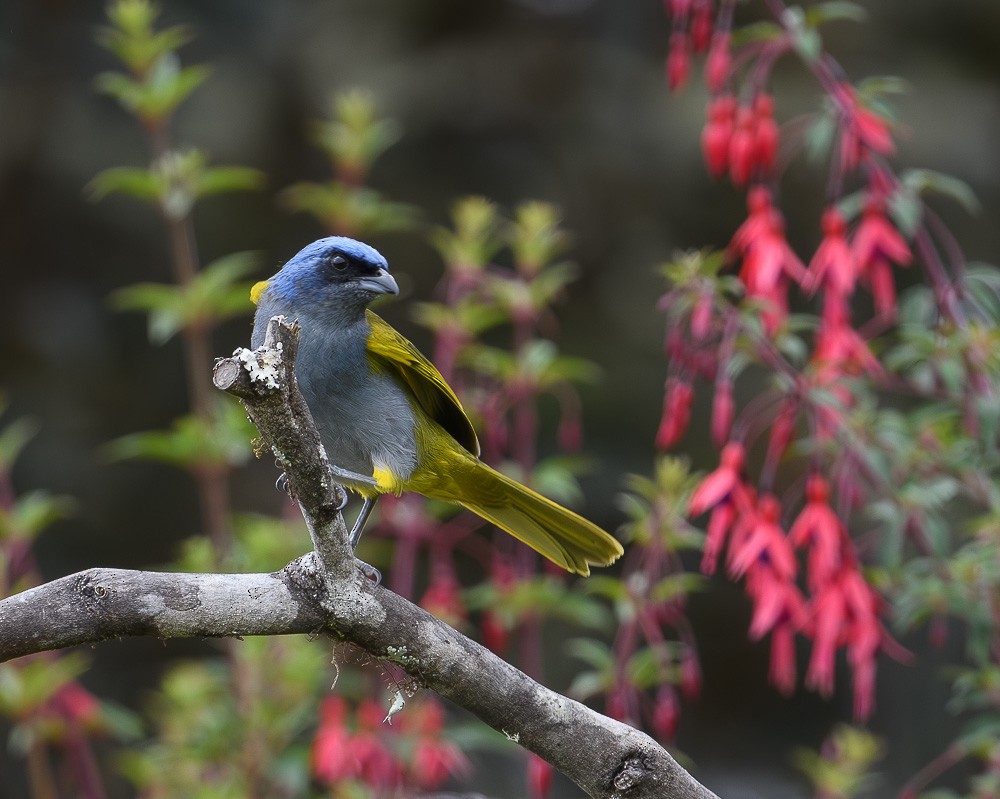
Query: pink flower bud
x,y
719,63
678,60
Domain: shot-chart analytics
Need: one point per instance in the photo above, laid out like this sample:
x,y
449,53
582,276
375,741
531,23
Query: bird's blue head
x,y
334,269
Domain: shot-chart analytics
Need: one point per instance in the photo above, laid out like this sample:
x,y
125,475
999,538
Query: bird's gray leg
x,y
370,571
359,525
353,480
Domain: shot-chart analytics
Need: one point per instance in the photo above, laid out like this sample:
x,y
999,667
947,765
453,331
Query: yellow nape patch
x,y
256,290
388,483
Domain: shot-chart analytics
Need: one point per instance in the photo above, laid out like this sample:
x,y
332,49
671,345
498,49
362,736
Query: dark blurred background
x,y
559,100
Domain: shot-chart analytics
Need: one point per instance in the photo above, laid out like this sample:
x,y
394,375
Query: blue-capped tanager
x,y
387,418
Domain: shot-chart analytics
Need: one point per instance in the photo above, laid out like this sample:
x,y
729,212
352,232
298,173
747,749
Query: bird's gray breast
x,y
364,417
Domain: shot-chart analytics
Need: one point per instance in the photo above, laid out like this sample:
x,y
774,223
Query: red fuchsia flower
x,y
862,131
765,134
678,60
839,347
829,615
702,23
741,148
718,133
762,540
75,703
768,261
845,614
443,598
539,777
783,668
777,600
720,484
679,9
724,493
331,760
494,632
834,267
570,432
690,679
759,213
821,531
701,315
840,353
722,520
719,63
434,759
666,713
863,640
374,763
877,245
782,431
723,408
676,412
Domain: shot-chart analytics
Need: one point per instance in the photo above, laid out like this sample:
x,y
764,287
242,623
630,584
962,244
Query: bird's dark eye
x,y
339,262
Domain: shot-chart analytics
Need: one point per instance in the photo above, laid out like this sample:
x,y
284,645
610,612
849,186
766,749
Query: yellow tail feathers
x,y
562,536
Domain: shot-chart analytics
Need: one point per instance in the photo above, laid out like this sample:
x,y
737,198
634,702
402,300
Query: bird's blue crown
x,y
300,271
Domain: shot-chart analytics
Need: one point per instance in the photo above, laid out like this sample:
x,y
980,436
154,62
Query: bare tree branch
x,y
324,591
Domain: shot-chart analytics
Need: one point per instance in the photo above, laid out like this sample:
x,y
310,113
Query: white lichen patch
x,y
262,364
398,701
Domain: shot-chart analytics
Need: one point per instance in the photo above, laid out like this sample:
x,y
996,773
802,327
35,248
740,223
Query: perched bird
x,y
387,418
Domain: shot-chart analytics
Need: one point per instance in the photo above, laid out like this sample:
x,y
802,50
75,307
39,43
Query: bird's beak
x,y
380,283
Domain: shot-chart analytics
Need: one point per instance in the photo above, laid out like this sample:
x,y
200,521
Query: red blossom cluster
x,y
693,26
741,140
831,604
359,747
841,609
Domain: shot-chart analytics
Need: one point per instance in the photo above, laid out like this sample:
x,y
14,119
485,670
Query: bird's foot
x,y
342,496
281,484
370,572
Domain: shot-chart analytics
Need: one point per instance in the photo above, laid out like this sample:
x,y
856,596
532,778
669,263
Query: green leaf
x,y
835,10
906,211
168,85
124,724
756,32
355,136
676,585
24,687
546,284
36,510
192,442
476,238
536,237
921,181
143,184
610,588
589,683
345,208
220,179
556,477
592,652
871,88
545,597
805,39
156,94
137,49
653,665
819,137
164,303
215,294
13,438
